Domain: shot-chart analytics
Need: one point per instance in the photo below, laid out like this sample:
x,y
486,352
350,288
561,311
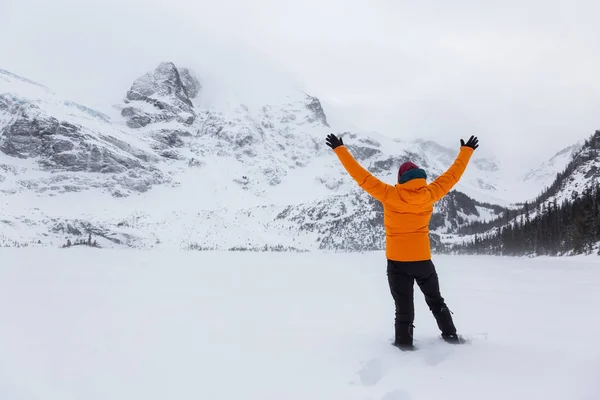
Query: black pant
x,y
401,277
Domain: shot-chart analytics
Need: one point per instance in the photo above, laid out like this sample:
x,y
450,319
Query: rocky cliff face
x,y
64,146
190,83
318,114
73,147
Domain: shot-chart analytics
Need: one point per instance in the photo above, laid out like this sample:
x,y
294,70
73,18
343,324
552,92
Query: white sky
x,y
522,75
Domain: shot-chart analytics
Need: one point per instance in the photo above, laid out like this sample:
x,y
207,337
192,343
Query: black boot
x,y
405,347
404,337
453,338
444,321
446,325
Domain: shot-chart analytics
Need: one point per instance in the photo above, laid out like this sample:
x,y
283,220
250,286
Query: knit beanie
x,y
407,166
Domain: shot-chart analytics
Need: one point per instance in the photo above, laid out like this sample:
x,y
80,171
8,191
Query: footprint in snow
x,y
437,356
371,372
434,351
396,395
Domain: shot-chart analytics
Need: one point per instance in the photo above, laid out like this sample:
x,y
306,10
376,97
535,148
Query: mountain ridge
x,y
172,171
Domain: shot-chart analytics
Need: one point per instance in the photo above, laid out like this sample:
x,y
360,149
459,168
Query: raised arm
x,y
445,182
365,180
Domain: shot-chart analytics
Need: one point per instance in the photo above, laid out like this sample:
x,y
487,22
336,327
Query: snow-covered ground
x,y
87,324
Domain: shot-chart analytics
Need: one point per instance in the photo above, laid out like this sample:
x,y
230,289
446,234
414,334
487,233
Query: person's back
x,y
408,206
406,215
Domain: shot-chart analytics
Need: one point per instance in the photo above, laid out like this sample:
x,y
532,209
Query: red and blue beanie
x,y
407,166
409,171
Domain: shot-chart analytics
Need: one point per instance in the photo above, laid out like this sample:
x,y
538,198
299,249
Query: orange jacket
x,y
407,207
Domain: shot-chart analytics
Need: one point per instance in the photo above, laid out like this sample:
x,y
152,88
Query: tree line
x,y
571,227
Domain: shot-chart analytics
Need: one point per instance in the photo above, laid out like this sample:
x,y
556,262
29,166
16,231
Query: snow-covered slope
x,y
577,169
580,173
178,165
541,177
51,145
573,187
156,325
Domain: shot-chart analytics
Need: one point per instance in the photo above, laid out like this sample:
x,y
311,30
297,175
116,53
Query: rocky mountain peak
x,y
161,95
164,81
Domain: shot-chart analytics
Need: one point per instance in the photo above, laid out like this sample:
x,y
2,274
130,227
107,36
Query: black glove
x,y
473,143
333,141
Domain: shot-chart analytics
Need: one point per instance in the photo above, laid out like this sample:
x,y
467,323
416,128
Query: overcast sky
x,y
522,75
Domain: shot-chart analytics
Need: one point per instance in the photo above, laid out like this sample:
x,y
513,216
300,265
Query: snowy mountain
x,y
177,166
48,144
561,220
542,176
580,173
573,170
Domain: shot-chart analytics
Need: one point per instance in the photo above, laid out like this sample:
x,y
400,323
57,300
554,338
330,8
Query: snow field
x,y
121,324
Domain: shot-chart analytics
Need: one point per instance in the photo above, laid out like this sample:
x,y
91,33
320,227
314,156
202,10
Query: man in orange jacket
x,y
407,209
